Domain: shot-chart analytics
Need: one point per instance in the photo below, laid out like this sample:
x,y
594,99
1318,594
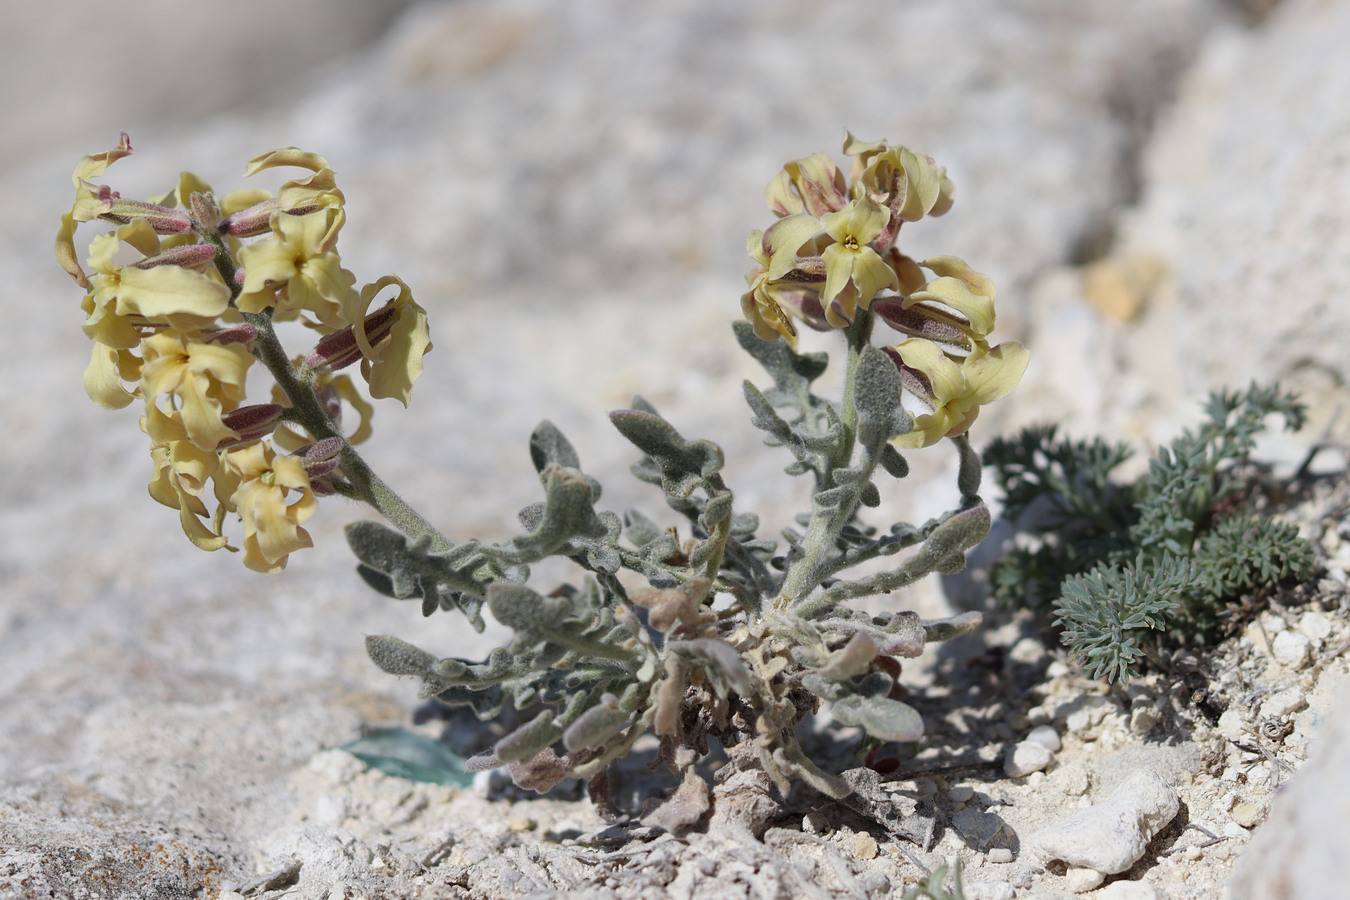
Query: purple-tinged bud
x,y
162,219
243,333
924,320
339,349
189,256
321,487
250,423
321,457
250,222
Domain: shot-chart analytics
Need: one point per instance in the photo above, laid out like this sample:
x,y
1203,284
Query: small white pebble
x,y
1072,779
1143,719
999,855
1250,813
1028,650
989,890
815,822
1081,879
1231,724
1292,648
1316,625
1046,736
865,846
961,793
1285,703
1085,712
1026,757
1129,890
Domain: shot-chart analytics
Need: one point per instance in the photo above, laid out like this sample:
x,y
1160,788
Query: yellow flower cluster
x,y
832,253
180,298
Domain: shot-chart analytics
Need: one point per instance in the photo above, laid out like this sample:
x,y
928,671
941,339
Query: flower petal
x,y
993,375
171,291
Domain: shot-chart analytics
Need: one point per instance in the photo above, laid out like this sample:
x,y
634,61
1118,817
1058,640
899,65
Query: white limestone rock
x,y
1292,648
1026,757
1111,836
326,855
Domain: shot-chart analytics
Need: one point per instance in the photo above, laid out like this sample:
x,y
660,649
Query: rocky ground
x,y
1159,189
1019,778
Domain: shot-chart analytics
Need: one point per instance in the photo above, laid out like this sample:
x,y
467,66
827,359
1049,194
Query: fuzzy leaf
x,y
548,447
792,372
568,512
404,569
528,739
719,661
596,726
951,627
684,465
877,395
881,717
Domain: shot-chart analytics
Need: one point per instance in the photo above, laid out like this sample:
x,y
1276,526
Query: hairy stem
x,y
308,412
818,546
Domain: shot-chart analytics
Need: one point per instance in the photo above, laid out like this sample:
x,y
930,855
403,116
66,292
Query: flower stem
x,y
818,546
309,413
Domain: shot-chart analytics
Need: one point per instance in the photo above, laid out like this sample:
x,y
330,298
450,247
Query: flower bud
x,y
243,333
321,457
925,320
250,222
205,208
189,256
251,423
162,219
320,487
340,349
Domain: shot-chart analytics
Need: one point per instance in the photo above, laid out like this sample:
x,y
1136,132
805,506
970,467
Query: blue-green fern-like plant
x,y
1159,561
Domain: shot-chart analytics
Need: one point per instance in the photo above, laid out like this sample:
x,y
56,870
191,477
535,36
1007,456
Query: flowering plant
x,y
735,636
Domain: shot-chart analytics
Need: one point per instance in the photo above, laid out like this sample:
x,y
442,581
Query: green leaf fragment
x,y
407,754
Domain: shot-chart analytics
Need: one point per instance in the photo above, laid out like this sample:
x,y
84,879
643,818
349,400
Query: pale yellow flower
x,y
296,268
314,192
908,184
775,254
812,185
182,471
273,499
854,271
391,366
94,200
207,379
961,288
954,390
107,374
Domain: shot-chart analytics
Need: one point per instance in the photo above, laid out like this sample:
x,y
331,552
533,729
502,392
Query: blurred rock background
x,y
1158,188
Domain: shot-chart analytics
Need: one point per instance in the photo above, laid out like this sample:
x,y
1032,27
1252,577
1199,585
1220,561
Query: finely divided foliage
x,y
1156,563
705,628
